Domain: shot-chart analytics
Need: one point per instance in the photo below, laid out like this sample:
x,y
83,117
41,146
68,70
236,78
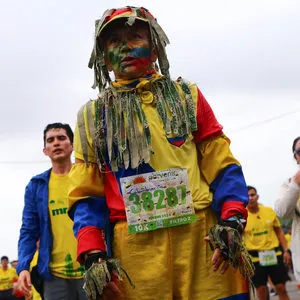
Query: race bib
x,y
157,200
267,258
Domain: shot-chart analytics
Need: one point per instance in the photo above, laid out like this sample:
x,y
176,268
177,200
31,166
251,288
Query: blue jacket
x,y
36,225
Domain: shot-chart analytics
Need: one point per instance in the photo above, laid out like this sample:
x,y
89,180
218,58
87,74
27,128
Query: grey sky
x,y
244,56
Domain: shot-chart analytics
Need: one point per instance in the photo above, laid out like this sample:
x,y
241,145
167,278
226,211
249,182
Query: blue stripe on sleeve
x,y
229,185
91,211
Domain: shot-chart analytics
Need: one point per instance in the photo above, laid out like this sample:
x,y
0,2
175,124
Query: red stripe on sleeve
x,y
208,126
233,208
89,238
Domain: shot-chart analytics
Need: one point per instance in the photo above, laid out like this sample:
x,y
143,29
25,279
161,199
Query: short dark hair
x,y
294,145
250,187
66,127
4,257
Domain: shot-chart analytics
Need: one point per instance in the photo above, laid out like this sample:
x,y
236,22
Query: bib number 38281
x,y
157,200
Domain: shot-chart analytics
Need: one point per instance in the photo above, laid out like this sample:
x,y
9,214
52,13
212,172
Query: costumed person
x,y
155,190
263,235
287,206
57,275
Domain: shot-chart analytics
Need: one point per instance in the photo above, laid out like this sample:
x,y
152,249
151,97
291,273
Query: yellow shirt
x,y
63,261
259,233
34,293
6,278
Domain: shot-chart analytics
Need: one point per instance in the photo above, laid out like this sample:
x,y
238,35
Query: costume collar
x,y
126,85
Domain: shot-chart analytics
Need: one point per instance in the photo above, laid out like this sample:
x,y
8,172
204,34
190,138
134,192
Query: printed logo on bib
x,y
157,200
267,258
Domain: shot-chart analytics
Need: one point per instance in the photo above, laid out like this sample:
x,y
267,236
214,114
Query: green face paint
x,y
128,52
121,57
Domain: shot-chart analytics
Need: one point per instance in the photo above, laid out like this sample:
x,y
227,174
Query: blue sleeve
x,y
91,211
30,229
229,185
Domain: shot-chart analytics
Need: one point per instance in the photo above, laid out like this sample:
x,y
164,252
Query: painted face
x,y
127,51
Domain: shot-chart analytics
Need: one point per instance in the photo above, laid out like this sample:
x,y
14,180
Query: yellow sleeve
x,y
84,130
85,181
215,155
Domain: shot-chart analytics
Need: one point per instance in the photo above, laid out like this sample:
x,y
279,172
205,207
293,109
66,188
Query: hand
x,y
297,178
225,239
218,259
24,282
111,291
287,258
102,276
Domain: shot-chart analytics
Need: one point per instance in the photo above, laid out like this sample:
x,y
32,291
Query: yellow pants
x,y
174,263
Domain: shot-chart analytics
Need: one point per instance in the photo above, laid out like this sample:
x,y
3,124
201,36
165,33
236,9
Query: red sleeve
x,y
89,238
233,208
208,126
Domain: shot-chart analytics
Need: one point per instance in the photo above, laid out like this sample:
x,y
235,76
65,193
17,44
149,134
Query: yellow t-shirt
x,y
259,233
63,261
34,293
6,278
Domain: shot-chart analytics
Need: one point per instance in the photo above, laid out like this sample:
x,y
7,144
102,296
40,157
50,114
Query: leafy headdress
x,y
158,38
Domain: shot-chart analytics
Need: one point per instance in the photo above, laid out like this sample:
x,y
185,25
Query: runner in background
x,y
262,235
8,276
45,218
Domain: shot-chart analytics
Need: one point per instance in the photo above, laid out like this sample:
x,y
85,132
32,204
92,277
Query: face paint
x,y
128,53
122,57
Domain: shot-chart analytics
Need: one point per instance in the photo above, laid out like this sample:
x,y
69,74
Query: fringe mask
x,y
120,131
157,35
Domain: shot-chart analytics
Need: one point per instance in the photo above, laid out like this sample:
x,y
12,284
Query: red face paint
x,y
128,52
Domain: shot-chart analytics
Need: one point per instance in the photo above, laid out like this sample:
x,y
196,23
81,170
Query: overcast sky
x,y
244,56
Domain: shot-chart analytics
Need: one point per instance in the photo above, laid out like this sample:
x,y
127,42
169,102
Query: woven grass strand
x,y
98,276
238,255
122,131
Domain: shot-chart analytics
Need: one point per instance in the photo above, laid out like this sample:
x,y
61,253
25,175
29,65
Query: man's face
x,y
127,50
14,264
58,146
253,198
4,262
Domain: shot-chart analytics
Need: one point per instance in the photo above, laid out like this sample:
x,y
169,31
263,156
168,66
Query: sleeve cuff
x,y
89,238
233,208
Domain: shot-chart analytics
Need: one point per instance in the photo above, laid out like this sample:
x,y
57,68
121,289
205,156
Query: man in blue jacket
x,y
45,218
